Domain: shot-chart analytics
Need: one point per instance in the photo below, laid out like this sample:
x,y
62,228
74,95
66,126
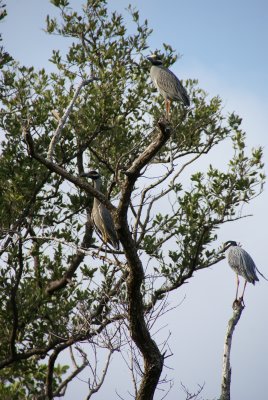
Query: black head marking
x,y
91,174
155,59
228,244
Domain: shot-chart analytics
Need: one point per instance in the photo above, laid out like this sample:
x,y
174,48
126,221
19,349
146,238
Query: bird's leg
x,y
167,108
105,250
99,250
237,286
166,104
244,290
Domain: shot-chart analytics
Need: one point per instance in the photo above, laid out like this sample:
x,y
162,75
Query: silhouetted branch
x,y
51,363
95,388
192,396
63,386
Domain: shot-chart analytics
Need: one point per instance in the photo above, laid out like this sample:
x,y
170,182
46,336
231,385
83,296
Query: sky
x,y
224,45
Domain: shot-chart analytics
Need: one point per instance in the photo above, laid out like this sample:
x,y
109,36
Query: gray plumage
x,y
168,85
101,217
241,262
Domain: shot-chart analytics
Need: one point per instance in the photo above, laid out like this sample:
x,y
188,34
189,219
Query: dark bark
x,y
76,261
76,180
153,359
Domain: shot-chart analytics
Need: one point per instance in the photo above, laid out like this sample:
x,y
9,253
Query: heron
x,y
100,215
241,262
168,85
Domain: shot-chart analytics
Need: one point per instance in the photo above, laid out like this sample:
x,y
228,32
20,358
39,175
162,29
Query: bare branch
x,y
63,386
98,385
77,181
192,396
238,307
62,121
142,201
162,134
51,363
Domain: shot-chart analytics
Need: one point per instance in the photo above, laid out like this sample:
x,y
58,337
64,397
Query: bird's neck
x,y
97,186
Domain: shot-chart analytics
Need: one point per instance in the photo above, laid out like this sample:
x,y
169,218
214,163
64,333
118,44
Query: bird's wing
x,y
109,226
249,264
241,261
94,217
169,83
234,258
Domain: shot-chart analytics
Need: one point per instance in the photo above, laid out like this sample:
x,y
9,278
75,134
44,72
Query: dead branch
x,y
62,121
238,307
192,396
99,384
143,200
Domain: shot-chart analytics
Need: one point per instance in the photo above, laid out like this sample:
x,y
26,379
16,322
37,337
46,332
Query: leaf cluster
x,y
56,289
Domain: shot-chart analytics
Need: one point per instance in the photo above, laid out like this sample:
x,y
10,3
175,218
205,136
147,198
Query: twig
x,y
192,396
79,182
63,386
98,385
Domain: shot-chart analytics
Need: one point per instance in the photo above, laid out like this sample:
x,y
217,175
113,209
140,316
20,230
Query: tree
x,y
60,287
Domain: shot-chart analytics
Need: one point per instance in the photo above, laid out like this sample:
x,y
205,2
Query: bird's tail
x,y
261,274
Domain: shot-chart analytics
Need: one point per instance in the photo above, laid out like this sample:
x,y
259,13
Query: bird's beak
x,y
225,246
84,174
222,248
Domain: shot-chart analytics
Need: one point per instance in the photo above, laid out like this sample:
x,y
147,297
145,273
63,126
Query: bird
x,y
168,85
241,262
100,215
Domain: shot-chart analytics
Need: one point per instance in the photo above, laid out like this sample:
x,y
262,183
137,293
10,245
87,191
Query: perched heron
x,y
241,262
101,217
168,85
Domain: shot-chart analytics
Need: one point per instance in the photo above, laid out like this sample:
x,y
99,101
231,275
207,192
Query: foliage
x,y
57,291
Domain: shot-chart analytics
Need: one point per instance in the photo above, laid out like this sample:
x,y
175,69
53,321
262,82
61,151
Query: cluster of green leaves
x,y
109,126
27,381
211,200
114,106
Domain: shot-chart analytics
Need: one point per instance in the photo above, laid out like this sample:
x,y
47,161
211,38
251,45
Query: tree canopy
x,y
61,288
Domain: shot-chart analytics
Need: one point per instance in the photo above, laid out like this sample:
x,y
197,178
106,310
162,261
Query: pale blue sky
x,y
224,45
